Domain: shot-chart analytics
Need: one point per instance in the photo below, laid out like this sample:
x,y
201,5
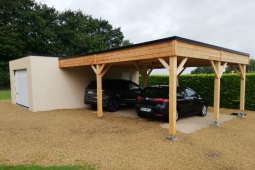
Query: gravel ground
x,y
75,137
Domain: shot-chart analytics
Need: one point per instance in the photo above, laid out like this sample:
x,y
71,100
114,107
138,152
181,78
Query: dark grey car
x,y
115,92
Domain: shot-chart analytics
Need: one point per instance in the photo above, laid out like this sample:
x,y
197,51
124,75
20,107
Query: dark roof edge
x,y
162,40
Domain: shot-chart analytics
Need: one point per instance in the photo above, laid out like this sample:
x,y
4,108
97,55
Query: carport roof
x,y
198,53
163,40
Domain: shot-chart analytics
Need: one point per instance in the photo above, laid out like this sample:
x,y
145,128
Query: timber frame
x,y
174,54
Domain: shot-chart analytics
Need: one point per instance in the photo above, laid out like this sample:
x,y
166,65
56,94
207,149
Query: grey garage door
x,y
21,87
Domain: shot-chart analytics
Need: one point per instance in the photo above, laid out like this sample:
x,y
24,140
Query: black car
x,y
115,92
153,102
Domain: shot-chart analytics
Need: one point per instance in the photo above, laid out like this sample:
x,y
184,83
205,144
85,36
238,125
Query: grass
x,y
5,94
34,167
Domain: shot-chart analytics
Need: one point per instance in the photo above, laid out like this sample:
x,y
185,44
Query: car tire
x,y
94,106
112,105
177,115
203,110
141,116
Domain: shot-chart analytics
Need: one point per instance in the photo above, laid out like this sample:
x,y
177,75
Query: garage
x,y
44,86
21,87
59,82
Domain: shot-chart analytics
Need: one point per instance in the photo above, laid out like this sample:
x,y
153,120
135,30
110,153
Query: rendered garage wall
x,y
51,88
55,88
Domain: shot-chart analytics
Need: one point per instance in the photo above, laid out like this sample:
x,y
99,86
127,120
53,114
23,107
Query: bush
x,y
204,85
4,80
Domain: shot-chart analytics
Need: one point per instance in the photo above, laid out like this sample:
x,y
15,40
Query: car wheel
x,y
141,116
203,110
112,105
94,107
177,115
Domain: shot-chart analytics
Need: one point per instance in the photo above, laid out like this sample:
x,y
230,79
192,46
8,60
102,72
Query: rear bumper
x,y
93,102
155,111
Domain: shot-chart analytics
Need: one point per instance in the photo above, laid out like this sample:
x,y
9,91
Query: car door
x,y
130,91
182,102
195,101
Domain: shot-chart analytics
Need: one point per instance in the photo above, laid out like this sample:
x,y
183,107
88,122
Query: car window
x,y
133,86
123,85
191,93
155,91
180,92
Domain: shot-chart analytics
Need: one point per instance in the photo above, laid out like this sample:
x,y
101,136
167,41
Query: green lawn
x,y
5,94
32,167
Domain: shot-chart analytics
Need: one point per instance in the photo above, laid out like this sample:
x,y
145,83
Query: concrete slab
x,y
185,125
194,123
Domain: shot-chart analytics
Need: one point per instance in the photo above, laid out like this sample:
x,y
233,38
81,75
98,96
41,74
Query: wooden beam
x,y
137,67
172,95
94,68
105,70
164,63
242,87
216,72
150,70
181,65
223,69
234,69
241,71
99,93
101,68
216,102
181,71
144,75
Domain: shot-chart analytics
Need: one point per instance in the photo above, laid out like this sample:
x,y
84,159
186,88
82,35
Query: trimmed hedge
x,y
204,85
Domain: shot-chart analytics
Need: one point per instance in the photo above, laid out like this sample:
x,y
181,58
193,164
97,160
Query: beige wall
x,y
116,73
50,87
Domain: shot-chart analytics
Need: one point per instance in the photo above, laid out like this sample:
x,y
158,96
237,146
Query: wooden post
x,y
99,94
216,104
172,68
172,96
144,75
242,86
100,70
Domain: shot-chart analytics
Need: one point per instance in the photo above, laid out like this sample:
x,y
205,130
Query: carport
x,y
174,54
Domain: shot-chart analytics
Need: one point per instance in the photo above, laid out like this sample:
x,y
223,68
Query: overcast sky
x,y
225,23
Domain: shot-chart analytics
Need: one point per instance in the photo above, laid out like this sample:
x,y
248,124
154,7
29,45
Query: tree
x,y
126,43
27,27
202,70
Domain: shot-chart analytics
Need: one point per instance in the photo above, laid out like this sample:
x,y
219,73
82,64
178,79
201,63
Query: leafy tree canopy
x,y
27,27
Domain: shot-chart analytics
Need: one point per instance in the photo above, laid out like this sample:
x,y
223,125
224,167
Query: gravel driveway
x,y
66,137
